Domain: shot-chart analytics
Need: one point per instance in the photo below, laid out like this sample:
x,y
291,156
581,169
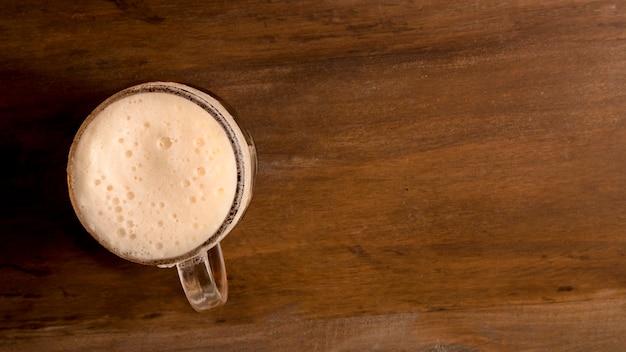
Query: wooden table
x,y
433,175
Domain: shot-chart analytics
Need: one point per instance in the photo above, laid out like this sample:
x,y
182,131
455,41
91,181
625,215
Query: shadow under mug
x,y
201,271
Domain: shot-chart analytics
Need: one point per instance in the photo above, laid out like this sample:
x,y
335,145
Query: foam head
x,y
152,176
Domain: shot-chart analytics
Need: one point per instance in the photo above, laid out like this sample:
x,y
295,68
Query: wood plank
x,y
433,175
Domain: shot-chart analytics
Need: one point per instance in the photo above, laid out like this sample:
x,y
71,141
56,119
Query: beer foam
x,y
153,176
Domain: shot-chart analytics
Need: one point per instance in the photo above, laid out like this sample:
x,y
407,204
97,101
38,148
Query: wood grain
x,y
433,175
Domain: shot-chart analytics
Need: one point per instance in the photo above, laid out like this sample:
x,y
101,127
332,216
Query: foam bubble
x,y
165,143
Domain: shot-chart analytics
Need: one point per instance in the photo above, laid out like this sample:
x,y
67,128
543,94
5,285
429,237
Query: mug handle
x,y
203,278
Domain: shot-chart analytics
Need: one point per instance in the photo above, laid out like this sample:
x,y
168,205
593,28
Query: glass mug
x,y
159,173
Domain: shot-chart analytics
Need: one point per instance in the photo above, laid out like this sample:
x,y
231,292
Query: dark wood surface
x,y
433,175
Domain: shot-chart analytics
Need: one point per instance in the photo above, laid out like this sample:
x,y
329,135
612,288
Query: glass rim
x,y
221,115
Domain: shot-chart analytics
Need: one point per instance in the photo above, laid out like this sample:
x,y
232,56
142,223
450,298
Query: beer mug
x,y
159,174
